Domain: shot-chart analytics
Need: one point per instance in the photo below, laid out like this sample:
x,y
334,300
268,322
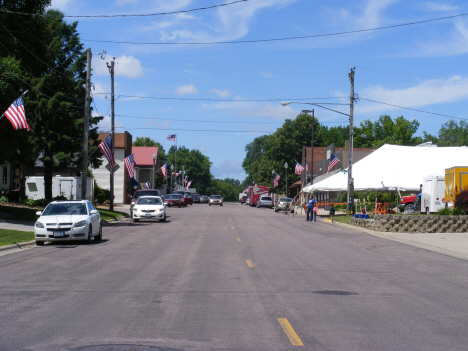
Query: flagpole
x,y
175,162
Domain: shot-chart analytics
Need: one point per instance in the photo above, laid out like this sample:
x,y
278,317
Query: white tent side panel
x,y
393,167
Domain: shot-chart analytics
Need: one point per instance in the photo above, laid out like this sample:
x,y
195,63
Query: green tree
x,y
453,134
145,141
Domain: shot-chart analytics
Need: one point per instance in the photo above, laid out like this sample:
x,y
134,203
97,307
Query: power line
x,y
223,100
282,39
136,15
413,109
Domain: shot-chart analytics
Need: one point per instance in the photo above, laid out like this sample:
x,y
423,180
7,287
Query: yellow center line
x,y
238,239
290,333
249,263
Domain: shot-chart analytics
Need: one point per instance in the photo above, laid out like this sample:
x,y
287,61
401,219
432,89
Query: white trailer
x,y
433,193
70,187
241,195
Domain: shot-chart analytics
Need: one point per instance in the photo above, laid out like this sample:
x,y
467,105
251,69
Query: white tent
x,y
394,167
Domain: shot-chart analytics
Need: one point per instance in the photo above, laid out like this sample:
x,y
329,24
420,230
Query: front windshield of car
x,y
145,193
216,197
149,201
285,199
65,209
172,197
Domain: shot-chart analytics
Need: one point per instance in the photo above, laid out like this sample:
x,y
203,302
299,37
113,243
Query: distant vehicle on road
x,y
283,203
187,196
196,198
143,192
68,221
173,200
265,201
243,199
216,200
149,207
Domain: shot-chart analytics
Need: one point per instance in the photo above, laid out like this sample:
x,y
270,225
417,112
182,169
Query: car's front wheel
x,y
90,234
39,243
135,220
99,236
163,219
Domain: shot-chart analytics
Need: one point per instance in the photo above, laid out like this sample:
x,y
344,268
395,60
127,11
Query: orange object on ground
x,y
380,209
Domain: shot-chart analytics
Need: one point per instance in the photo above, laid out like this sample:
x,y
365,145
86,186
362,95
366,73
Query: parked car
x,y
282,204
187,196
265,201
196,198
202,199
216,200
406,201
68,221
174,200
143,192
243,199
149,207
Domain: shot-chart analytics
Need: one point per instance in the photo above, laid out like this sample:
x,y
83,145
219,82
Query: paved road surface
x,y
233,278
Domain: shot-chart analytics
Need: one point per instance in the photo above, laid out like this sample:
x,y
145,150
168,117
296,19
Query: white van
x,y
433,193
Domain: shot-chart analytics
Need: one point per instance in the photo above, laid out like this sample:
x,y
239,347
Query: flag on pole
x,y
108,150
333,162
16,114
307,167
171,137
147,185
175,174
276,179
186,179
130,165
164,170
189,183
299,169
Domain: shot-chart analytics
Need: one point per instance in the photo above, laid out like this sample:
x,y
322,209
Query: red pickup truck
x,y
406,201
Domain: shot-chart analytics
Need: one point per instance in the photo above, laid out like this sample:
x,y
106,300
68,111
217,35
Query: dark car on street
x,y
196,198
187,196
174,200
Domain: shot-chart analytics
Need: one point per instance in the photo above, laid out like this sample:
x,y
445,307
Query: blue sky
x,y
420,66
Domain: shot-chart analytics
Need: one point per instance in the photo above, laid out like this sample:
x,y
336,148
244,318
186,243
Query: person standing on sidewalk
x,y
314,210
310,206
332,213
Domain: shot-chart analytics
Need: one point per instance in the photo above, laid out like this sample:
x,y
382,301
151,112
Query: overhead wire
x,y
130,15
282,39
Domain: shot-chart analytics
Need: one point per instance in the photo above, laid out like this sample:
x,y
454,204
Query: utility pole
x,y
84,163
350,208
111,70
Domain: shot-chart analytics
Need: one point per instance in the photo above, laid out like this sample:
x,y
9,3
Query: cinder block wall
x,y
414,224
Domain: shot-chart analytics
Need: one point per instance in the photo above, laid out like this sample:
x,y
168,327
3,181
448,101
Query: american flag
x,y
175,174
108,150
307,167
130,165
333,162
164,170
171,137
186,179
276,179
189,183
16,114
147,185
299,169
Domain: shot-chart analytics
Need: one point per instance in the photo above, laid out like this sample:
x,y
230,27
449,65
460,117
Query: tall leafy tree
x,y
453,134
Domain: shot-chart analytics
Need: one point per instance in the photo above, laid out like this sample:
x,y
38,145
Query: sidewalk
x,y
450,244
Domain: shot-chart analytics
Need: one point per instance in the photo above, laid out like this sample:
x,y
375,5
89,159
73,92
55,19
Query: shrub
x,y
337,207
30,202
443,212
3,199
461,200
457,211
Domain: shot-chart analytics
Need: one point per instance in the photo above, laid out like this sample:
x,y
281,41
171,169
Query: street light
x,y
351,136
311,148
286,168
154,175
172,171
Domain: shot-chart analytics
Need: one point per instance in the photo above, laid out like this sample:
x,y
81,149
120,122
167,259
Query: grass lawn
x,y
9,237
107,215
342,218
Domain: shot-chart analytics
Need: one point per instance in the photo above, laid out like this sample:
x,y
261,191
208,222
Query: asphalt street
x,y
232,278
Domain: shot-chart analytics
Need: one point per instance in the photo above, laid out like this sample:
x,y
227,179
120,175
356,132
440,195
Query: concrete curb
x,y
18,245
388,236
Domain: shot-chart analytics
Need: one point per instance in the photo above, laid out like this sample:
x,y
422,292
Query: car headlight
x,y
80,224
39,225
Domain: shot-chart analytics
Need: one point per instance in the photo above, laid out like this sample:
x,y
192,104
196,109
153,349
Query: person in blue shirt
x,y
310,206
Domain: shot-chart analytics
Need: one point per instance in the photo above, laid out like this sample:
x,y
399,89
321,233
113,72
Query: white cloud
x,y
228,169
452,44
430,92
267,74
105,124
439,6
253,110
187,89
125,66
221,93
201,148
59,4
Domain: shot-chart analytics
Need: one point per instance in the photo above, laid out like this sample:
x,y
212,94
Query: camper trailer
x,y
433,194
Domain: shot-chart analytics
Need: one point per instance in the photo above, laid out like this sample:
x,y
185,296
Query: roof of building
x,y
143,155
